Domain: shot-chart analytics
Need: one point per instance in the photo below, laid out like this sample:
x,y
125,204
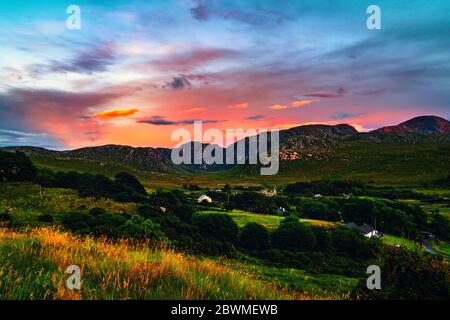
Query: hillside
x,y
414,152
33,264
423,124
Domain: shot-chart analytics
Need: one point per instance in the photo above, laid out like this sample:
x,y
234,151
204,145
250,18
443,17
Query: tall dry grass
x,y
33,265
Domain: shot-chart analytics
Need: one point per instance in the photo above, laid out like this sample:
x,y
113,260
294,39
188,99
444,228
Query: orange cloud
x,y
239,106
115,114
196,109
293,104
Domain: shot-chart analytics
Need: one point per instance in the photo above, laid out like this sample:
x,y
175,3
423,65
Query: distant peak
x,y
422,124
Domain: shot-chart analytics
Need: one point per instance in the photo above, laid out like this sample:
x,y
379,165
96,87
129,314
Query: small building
x,y
204,198
366,230
318,195
281,210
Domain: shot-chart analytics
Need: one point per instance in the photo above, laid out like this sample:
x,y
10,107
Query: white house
x,y
366,230
204,197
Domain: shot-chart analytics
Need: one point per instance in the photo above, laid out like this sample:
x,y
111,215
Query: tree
x,y
293,235
408,274
254,237
129,180
440,226
228,190
16,167
217,226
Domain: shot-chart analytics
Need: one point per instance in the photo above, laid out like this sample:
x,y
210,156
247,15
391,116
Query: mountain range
x,y
307,142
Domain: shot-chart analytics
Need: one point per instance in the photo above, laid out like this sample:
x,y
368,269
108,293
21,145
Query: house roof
x,y
365,228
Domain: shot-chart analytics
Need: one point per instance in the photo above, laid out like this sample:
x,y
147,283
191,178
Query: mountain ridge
x,y
308,141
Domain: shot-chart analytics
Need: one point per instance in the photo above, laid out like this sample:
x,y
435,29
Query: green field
x,y
381,164
401,242
25,202
269,221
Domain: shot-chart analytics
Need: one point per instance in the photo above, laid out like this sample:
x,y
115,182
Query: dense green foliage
x,y
407,274
124,187
16,167
254,236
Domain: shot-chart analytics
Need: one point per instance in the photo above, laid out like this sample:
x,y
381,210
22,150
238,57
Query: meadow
x,y
271,222
33,264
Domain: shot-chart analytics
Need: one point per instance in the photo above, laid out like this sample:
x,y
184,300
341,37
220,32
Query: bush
x,y
411,275
254,237
323,239
139,228
351,243
217,226
319,210
254,202
130,181
146,211
293,235
97,222
45,218
5,217
16,167
175,202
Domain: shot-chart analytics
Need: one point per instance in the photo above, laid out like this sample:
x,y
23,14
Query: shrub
x,y
146,211
16,166
5,217
97,223
323,239
217,226
293,235
175,201
317,209
45,218
97,211
130,181
254,237
139,228
351,243
408,274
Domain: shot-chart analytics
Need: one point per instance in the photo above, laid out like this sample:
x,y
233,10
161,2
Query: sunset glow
x,y
137,70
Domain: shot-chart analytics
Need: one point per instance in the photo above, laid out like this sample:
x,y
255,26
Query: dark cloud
x,y
186,61
339,92
179,82
18,138
96,59
345,115
255,16
162,121
200,11
23,109
255,117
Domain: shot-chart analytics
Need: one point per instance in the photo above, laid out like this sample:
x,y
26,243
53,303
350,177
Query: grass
x,y
442,247
24,202
33,264
316,285
383,164
269,221
399,241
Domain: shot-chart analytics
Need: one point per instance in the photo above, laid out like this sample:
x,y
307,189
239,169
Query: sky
x,y
137,70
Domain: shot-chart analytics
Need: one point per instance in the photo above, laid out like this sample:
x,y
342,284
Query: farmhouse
x,y
365,229
203,198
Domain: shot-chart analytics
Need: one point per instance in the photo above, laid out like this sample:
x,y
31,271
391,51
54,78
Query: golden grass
x,y
33,264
